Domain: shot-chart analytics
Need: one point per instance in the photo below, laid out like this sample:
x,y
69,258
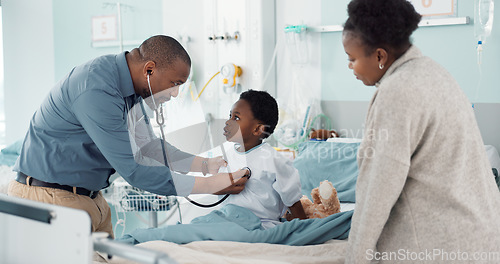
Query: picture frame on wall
x,y
104,28
435,8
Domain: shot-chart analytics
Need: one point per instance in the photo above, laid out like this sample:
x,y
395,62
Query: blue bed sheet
x,y
235,223
9,154
334,161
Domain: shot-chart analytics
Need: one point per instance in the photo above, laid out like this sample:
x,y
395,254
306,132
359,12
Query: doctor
x,y
81,135
425,190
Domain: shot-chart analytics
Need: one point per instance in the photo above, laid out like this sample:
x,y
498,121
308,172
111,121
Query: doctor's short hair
x,y
384,24
164,51
264,108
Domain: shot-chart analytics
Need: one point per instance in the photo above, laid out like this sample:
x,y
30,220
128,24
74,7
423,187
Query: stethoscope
x,y
160,120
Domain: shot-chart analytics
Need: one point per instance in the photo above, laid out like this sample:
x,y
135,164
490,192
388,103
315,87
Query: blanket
x,y
235,223
226,252
334,161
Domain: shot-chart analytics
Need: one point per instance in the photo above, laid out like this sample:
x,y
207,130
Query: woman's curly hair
x,y
382,23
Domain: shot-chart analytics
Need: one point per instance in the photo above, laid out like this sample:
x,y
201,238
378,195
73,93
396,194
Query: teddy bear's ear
x,y
311,133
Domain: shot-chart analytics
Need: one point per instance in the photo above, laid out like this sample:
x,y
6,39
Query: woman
x,y
425,190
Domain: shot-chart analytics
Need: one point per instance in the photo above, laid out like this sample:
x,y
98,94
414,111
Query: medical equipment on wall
x,y
483,23
301,110
230,79
230,76
225,37
296,43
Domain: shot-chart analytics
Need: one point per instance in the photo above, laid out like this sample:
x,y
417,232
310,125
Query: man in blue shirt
x,y
81,134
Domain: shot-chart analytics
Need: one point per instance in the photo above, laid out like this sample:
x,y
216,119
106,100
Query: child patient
x,y
274,185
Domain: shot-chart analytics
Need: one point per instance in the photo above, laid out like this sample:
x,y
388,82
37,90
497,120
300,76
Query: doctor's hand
x,y
222,183
214,164
238,180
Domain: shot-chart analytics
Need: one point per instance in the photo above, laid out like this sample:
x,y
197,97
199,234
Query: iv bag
x,y
483,19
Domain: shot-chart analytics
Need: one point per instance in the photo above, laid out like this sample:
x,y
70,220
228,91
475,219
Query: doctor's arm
x,y
181,161
221,183
207,165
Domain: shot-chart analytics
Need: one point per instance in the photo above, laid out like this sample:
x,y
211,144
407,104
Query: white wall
x,y
298,68
28,34
254,20
296,12
28,42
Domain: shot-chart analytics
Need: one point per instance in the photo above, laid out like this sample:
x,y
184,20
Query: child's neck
x,y
249,145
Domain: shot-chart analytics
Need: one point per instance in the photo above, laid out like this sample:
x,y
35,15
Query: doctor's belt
x,y
30,181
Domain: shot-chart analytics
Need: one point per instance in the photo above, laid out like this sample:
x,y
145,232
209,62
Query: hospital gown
x,y
273,187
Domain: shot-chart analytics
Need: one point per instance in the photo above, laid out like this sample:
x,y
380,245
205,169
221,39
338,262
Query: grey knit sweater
x,y
425,190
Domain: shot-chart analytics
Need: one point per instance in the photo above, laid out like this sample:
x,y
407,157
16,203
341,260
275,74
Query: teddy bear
x,y
325,201
322,134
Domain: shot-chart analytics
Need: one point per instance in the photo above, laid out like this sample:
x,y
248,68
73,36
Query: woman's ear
x,y
382,56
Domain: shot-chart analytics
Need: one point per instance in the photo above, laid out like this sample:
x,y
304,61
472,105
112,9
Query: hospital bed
x,y
316,161
34,232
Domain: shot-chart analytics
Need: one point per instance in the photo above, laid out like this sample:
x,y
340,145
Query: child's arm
x,y
297,211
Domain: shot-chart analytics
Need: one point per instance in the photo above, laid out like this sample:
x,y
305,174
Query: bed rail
x,y
143,255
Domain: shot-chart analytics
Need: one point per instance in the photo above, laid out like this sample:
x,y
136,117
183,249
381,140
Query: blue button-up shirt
x,y
79,135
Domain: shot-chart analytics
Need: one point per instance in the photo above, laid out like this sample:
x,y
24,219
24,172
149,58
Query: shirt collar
x,y
125,79
236,146
412,53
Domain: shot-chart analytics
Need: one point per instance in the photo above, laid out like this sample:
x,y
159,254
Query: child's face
x,y
241,124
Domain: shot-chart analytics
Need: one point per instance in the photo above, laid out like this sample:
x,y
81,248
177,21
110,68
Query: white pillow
x,y
344,140
493,156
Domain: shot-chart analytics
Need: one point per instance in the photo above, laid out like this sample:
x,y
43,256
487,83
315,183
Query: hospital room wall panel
x,y
28,43
487,120
252,50
44,40
305,74
453,46
348,118
73,30
345,99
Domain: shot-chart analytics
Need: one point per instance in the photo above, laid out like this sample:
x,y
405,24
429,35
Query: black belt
x,y
21,178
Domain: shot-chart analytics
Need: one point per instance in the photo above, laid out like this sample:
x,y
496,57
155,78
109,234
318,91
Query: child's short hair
x,y
264,108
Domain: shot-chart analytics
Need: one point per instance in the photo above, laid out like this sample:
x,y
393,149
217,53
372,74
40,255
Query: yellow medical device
x,y
230,74
230,78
